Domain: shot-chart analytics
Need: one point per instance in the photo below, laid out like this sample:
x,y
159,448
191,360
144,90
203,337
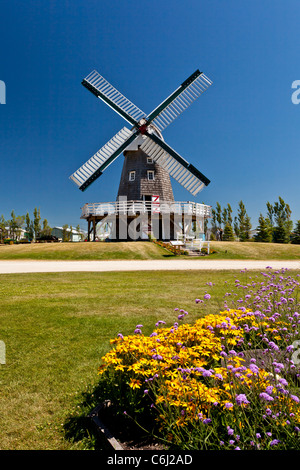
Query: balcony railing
x,y
141,207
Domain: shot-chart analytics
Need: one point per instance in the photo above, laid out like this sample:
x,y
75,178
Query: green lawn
x,y
83,251
143,250
56,327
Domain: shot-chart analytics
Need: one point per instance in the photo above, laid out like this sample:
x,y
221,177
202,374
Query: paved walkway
x,y
17,266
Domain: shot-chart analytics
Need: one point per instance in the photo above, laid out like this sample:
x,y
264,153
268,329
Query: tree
x,y
218,214
20,219
228,233
284,225
47,230
78,229
296,234
65,233
3,230
264,230
29,229
244,225
36,222
270,214
12,223
236,227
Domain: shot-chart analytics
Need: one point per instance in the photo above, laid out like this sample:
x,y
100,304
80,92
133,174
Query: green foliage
x,y
46,231
36,222
228,234
264,230
296,234
279,219
66,234
243,221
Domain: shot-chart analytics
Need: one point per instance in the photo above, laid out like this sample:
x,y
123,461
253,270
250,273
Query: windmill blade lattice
x,y
95,166
179,100
182,171
111,96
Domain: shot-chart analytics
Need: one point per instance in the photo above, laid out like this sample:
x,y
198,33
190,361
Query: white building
x,y
75,236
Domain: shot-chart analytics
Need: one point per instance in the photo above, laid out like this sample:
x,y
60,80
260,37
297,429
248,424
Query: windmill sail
x,y
182,171
104,90
179,100
95,166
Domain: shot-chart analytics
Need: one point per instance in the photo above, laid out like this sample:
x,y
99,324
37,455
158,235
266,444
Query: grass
x,y
83,251
56,328
255,250
143,250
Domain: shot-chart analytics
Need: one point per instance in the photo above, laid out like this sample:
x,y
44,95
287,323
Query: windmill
x,y
142,145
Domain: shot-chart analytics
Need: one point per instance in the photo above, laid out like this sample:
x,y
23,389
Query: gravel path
x,y
17,266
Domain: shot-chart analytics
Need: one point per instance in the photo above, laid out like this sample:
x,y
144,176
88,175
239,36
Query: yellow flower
x,y
134,383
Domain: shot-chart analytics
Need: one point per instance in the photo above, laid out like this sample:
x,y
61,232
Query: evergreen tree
x,y
284,225
264,230
228,233
296,234
243,223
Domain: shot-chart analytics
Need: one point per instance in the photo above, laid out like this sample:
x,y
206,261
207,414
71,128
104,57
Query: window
x,y
150,175
149,160
131,175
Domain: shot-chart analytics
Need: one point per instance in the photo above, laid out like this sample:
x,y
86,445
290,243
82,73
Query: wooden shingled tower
x,y
148,160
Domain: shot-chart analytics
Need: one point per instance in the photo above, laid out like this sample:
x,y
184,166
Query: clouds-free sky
x,y
242,133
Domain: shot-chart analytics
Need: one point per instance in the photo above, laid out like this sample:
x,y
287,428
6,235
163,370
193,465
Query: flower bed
x,y
200,385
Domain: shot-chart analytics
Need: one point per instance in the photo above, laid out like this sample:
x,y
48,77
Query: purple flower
x,y
254,368
295,398
207,421
266,396
207,296
206,373
242,399
228,405
157,357
230,431
138,331
146,391
274,442
269,389
120,336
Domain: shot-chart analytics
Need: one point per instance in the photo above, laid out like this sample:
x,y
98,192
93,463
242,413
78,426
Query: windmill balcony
x,y
133,208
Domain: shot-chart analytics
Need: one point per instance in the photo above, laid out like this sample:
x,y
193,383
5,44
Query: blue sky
x,y
242,133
